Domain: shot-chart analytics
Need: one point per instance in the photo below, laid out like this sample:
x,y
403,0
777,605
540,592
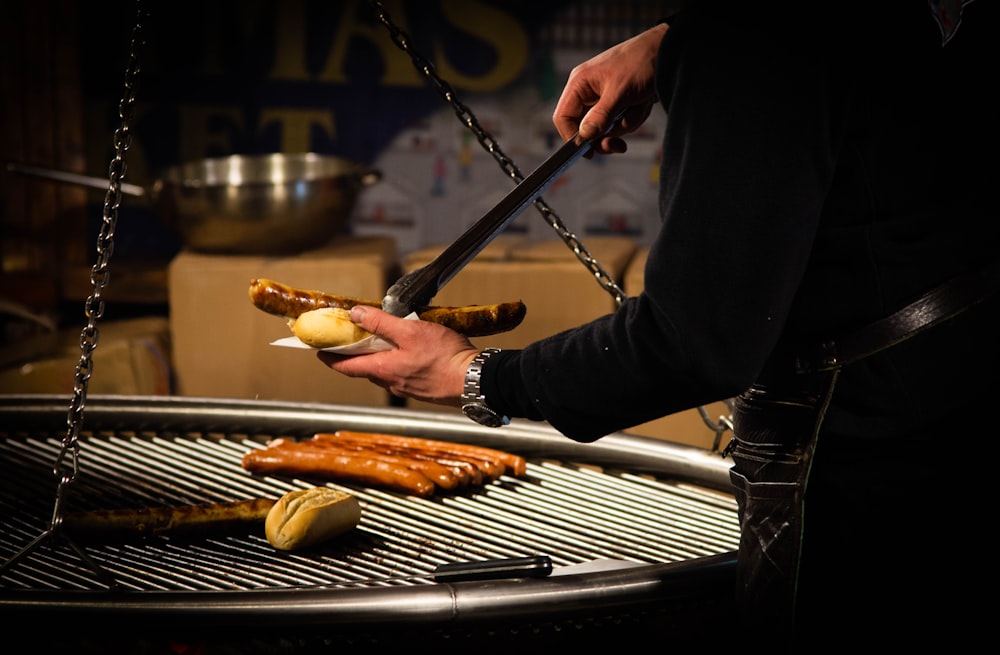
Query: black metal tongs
x,y
416,288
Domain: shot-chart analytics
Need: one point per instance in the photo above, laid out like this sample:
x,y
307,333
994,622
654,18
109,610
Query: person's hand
x,y
620,79
428,363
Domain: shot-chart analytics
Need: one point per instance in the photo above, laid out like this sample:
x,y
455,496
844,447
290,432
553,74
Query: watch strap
x,y
473,401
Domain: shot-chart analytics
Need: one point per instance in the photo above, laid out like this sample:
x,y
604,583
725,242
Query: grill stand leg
x,y
99,572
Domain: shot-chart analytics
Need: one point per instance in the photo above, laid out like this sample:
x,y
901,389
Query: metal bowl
x,y
246,204
260,204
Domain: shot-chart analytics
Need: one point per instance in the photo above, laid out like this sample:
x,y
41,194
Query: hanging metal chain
x,y
719,427
67,465
100,274
486,140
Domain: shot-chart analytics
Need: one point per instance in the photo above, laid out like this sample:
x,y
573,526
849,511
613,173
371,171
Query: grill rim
x,y
185,413
704,579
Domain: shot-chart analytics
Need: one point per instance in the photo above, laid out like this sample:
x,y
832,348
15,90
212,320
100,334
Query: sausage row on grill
x,y
412,465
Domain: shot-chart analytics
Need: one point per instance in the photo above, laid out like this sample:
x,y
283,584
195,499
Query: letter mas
x,y
295,75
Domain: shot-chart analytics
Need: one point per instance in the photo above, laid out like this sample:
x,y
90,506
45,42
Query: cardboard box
x,y
635,275
687,427
221,340
558,290
132,358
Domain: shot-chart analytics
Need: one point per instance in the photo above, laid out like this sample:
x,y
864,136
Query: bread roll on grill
x,y
307,517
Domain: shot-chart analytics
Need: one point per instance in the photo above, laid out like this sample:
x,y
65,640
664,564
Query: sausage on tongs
x,y
471,320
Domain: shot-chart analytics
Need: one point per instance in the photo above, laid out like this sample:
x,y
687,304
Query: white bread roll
x,y
327,327
306,517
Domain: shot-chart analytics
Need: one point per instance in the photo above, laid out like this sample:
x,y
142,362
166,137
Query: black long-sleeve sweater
x,y
823,165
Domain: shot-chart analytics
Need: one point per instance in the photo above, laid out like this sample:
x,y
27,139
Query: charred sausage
x,y
471,320
180,520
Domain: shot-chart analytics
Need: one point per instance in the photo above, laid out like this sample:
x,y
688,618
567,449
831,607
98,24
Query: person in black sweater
x,y
828,259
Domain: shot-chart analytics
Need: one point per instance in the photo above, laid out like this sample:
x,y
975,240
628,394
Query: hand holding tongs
x,y
416,288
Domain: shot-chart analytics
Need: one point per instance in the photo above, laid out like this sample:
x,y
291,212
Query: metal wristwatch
x,y
473,402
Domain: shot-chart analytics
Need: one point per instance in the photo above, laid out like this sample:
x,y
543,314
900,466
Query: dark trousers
x,y
775,430
860,542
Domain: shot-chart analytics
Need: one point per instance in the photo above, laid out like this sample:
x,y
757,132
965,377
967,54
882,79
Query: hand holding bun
x,y
327,327
306,517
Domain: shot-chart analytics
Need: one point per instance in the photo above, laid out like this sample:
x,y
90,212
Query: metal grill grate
x,y
627,501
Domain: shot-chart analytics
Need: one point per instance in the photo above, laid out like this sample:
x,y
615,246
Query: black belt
x,y
937,305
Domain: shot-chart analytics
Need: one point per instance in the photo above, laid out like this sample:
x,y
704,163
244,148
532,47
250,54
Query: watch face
x,y
482,415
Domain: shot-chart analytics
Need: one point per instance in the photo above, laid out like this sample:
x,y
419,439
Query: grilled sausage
x,y
441,475
508,462
464,473
247,515
282,300
477,320
285,457
477,469
471,320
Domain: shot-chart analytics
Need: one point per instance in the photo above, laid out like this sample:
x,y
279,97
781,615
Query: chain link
x,y
490,145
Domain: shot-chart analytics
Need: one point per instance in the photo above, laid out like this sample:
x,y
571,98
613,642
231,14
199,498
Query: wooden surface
x,y
43,222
